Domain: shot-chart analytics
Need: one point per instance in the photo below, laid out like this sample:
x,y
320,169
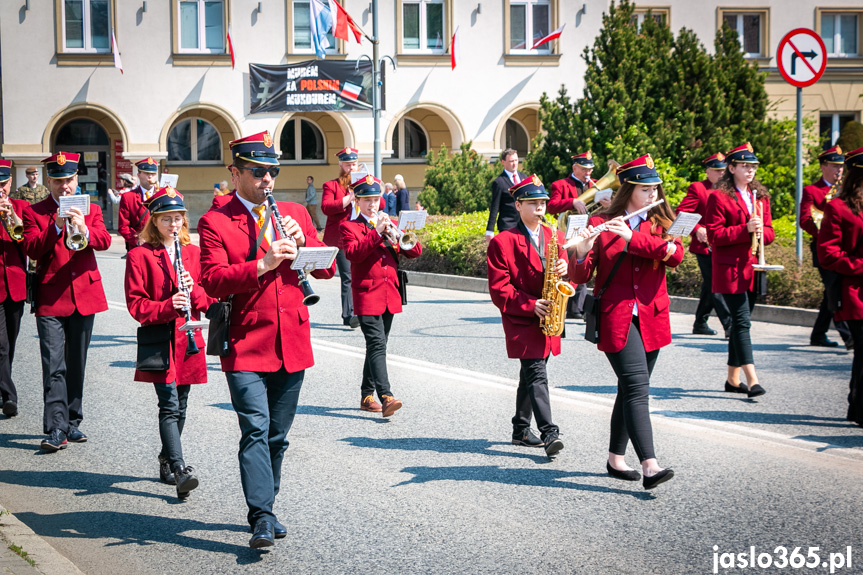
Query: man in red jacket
x,y
695,202
270,340
13,287
68,296
132,213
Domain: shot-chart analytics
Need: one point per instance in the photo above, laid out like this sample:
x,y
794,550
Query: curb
x,y
764,313
48,560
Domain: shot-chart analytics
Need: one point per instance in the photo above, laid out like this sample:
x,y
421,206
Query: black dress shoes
x,y
627,475
654,480
165,473
10,408
756,390
186,480
279,530
822,342
527,438
703,329
353,322
553,444
263,535
742,388
76,436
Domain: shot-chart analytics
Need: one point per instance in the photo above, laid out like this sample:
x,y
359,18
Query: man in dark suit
x,y
68,296
502,206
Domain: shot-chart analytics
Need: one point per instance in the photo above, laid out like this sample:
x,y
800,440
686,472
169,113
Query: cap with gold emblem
x,y
854,159
584,159
257,148
366,187
832,156
529,189
5,170
148,165
62,165
715,162
742,155
347,155
639,171
167,199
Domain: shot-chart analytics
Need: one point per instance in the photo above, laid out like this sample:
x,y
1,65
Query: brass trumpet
x,y
14,226
75,240
609,180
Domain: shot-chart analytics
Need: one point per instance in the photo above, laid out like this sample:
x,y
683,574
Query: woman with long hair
x,y
630,259
840,248
738,211
154,298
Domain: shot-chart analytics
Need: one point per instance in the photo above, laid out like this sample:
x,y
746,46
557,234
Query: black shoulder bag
x,y
154,346
591,305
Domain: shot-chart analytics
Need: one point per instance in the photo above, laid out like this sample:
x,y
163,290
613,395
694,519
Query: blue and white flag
x,y
322,23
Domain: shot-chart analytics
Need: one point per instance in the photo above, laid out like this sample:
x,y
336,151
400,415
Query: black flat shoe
x,y
186,481
10,408
742,388
756,390
703,330
822,342
263,535
627,475
654,480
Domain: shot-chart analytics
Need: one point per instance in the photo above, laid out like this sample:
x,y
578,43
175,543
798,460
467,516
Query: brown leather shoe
x,y
391,405
369,404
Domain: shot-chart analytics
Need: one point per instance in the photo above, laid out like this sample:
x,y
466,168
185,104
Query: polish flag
x,y
116,50
351,91
342,21
454,49
553,36
230,47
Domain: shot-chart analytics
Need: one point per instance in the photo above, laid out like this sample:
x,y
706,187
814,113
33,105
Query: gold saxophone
x,y
818,215
554,290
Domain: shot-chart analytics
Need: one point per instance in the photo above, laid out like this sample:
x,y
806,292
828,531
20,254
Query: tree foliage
x,y
457,183
851,136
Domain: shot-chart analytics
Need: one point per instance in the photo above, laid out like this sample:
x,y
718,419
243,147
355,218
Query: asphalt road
x,y
439,489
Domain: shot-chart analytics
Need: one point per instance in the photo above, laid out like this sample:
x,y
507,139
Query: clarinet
x,y
309,296
191,346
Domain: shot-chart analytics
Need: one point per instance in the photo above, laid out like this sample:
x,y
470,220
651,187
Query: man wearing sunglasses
x,y
270,339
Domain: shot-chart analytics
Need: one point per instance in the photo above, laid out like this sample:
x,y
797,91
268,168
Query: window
x,y
201,26
830,126
301,140
529,20
839,32
82,132
515,137
86,25
410,141
751,28
194,140
659,15
423,27
302,30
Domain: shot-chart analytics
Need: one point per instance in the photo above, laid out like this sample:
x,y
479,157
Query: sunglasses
x,y
261,172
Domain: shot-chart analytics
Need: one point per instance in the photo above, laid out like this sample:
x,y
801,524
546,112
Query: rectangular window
x,y
202,26
750,28
302,30
86,25
830,126
839,32
660,15
529,21
423,27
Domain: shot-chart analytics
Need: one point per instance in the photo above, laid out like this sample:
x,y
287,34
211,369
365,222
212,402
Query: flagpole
x,y
376,89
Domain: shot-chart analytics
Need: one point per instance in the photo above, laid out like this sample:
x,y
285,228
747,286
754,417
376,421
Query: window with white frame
x,y
410,141
86,25
302,140
529,20
830,126
749,28
839,32
659,15
302,29
194,140
423,26
201,26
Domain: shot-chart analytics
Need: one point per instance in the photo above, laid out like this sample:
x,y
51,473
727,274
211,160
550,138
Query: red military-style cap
x,y
257,148
62,165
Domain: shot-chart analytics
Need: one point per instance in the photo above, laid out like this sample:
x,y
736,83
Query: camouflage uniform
x,y
32,195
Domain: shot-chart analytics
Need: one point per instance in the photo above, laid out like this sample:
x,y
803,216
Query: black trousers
x,y
709,301
740,305
173,400
576,302
344,267
63,342
630,418
10,323
376,329
532,398
855,395
825,316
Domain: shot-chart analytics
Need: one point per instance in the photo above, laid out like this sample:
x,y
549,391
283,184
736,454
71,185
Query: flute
x,y
309,296
603,227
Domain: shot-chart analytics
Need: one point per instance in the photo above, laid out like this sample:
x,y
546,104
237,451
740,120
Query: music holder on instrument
x,y
683,224
574,223
80,201
314,258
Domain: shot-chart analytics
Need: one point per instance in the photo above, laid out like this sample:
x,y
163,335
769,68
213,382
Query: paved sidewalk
x,y
46,559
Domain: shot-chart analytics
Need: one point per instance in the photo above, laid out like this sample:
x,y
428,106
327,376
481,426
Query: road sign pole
x,y
799,194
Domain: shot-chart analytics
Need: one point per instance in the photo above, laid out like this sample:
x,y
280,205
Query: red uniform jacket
x,y
640,281
515,282
840,248
13,279
695,202
813,195
151,281
374,282
66,280
269,323
331,204
219,201
726,221
563,192
132,215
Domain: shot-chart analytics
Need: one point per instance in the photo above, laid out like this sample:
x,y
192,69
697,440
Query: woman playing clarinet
x,y
153,296
738,212
630,259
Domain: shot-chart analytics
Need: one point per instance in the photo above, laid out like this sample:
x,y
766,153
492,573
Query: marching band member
x,y
68,295
630,260
13,287
153,296
270,339
132,213
695,202
731,220
815,195
373,253
840,249
516,268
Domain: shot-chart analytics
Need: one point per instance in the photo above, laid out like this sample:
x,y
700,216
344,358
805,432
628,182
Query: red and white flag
x,y
351,91
454,49
342,21
116,50
553,36
230,46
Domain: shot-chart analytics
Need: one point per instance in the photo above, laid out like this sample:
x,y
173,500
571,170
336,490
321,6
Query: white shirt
x,y
512,176
250,206
747,198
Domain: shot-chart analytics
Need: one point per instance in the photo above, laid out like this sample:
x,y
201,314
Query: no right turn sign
x,y
801,57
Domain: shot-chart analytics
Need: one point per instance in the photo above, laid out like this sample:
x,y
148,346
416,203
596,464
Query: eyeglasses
x,y
261,172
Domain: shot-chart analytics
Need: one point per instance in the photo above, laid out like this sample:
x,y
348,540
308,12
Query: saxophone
x,y
554,290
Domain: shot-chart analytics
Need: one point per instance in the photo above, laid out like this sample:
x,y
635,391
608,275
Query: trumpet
x,y
406,239
14,226
609,180
75,240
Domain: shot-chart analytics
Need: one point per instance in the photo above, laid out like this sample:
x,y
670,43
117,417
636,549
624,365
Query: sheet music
x,y
684,224
603,195
314,258
82,202
418,218
169,180
575,223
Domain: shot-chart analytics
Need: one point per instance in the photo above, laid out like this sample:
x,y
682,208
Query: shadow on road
x,y
440,445
102,340
136,529
759,417
18,441
849,441
655,392
83,483
349,412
